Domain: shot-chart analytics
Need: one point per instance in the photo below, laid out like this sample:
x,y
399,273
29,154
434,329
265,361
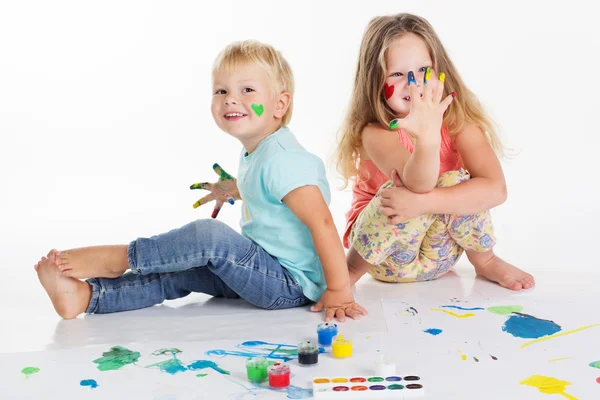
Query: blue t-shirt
x,y
277,166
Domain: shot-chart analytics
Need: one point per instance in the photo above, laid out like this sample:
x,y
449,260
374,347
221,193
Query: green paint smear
x,y
30,370
116,358
505,310
172,366
166,351
201,375
595,364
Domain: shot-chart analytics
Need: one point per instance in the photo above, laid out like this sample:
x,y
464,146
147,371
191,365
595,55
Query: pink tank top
x,y
370,179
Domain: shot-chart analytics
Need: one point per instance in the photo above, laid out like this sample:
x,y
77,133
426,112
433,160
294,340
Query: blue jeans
x,y
203,256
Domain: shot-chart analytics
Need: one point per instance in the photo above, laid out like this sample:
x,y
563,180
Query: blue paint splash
x,y
529,327
256,348
433,331
203,364
175,365
89,382
464,308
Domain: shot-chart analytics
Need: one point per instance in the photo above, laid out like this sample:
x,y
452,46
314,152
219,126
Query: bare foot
x,y
492,267
93,262
70,297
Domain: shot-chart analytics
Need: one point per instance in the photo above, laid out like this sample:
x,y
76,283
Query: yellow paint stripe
x,y
559,359
453,314
557,335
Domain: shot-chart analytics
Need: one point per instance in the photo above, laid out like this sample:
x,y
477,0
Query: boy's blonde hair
x,y
368,104
240,54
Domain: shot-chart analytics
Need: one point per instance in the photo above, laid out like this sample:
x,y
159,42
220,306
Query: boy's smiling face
x,y
239,96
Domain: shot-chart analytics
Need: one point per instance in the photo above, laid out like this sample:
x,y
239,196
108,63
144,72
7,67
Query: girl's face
x,y
407,53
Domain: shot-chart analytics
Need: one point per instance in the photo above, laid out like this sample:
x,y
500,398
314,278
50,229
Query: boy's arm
x,y
418,171
308,205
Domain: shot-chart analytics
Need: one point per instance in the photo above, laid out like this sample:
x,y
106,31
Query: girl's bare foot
x,y
492,267
93,262
70,297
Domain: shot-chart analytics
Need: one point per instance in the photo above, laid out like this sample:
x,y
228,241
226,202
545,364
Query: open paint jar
x,y
341,348
256,368
279,375
308,353
326,332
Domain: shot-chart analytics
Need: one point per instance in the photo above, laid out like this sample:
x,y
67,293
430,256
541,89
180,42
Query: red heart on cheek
x,y
388,90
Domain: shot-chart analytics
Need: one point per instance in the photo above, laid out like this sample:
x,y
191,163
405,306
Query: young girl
x,y
289,253
436,155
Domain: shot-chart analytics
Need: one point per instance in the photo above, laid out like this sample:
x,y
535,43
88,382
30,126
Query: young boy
x,y
289,253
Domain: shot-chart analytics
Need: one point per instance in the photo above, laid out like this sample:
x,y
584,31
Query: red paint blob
x,y
598,379
388,90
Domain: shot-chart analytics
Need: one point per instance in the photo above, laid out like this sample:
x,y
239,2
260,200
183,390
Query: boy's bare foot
x,y
93,262
492,267
70,297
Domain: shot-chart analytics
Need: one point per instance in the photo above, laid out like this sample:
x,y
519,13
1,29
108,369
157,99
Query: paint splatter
x,y
595,364
201,375
598,379
171,366
529,327
280,351
463,355
494,357
559,359
89,382
28,371
557,335
548,385
203,364
433,331
116,358
475,358
453,314
505,310
464,308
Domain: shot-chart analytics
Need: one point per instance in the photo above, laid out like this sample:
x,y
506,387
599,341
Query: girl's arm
x,y
485,190
308,205
418,171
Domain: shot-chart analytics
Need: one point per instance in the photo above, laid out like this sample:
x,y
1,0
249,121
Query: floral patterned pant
x,y
421,248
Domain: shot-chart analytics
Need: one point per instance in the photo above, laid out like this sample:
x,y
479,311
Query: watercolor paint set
x,y
368,387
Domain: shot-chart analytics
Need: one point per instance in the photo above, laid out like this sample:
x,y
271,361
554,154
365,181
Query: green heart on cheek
x,y
258,109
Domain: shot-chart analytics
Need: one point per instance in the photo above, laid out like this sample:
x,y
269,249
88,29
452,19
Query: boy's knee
x,y
208,229
452,178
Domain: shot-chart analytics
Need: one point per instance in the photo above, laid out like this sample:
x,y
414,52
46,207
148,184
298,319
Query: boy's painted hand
x,y
424,121
339,304
225,189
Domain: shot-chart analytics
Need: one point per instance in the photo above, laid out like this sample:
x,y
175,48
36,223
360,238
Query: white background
x,y
105,118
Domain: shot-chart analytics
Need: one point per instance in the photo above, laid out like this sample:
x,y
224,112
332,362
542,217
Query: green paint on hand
x,y
595,364
30,370
201,375
258,109
116,358
505,310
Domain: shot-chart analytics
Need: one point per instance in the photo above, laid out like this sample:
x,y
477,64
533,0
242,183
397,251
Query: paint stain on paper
x,y
116,358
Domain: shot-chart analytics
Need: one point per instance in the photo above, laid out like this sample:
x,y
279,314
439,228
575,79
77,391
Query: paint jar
x,y
326,333
256,368
341,347
308,353
279,375
385,365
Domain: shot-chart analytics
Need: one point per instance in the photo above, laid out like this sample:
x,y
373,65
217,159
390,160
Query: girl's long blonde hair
x,y
368,103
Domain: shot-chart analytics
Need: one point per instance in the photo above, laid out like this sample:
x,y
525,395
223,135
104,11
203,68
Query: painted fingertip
x,y
394,124
215,212
442,77
231,201
411,78
453,94
427,75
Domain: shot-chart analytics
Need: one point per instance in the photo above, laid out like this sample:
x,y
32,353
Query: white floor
x,y
32,326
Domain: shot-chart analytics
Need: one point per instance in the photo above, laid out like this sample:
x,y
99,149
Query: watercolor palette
x,y
368,387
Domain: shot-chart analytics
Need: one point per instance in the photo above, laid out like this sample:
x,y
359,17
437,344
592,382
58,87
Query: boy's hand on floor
x,y
225,189
339,304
